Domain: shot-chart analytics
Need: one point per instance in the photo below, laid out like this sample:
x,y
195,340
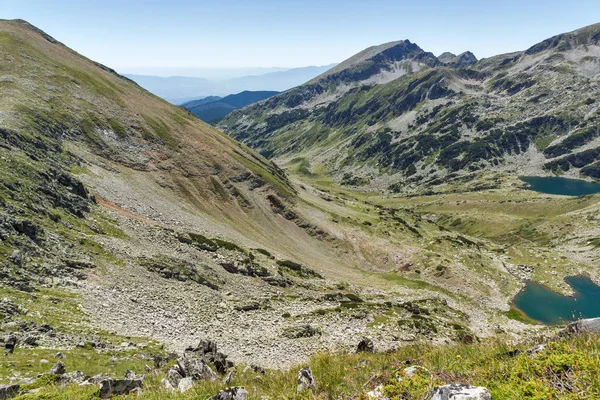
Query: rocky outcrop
x,y
460,392
306,380
115,387
58,369
8,391
365,346
591,325
236,393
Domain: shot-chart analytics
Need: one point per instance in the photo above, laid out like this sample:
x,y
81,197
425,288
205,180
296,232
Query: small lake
x,y
562,186
541,304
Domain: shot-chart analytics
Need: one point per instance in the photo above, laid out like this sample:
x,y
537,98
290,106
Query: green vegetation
x,y
564,369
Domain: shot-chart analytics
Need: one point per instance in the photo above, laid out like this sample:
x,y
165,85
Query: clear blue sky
x,y
127,34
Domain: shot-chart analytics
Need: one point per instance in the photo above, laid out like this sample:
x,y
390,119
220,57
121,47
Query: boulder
x,y
112,387
207,351
9,344
9,391
235,393
590,325
365,346
306,380
58,369
76,377
460,392
194,367
185,384
377,394
174,376
59,355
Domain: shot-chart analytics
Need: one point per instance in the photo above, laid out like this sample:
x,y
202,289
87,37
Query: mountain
x,y
179,89
135,237
213,108
396,117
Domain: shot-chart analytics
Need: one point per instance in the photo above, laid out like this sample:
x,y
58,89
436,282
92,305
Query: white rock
x,y
460,392
185,384
377,394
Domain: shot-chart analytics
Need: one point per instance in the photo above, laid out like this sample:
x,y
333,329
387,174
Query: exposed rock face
x,y
236,393
365,346
306,380
591,325
8,391
112,387
460,392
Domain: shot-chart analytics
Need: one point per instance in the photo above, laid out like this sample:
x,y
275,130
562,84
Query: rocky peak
x,y
464,59
446,57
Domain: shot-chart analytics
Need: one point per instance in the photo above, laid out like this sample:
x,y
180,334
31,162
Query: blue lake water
x,y
541,304
562,186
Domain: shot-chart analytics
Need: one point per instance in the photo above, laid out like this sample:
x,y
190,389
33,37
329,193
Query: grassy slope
x,y
566,369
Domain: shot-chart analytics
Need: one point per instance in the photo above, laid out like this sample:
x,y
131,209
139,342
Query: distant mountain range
x,y
180,89
213,108
396,116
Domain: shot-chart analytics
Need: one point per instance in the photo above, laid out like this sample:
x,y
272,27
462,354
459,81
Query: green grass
x,y
566,369
518,315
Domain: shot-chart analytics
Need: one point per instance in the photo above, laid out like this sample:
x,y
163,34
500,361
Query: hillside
x,y
395,117
213,108
132,233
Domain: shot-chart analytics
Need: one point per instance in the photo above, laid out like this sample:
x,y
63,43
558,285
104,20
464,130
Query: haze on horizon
x,y
232,38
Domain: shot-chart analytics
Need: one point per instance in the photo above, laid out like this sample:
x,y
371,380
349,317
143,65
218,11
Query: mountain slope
x,y
396,117
146,222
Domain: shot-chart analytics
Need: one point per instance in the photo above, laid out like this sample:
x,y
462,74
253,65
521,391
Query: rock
x,y
99,378
167,385
10,343
235,393
258,370
111,387
76,377
44,361
191,366
365,346
208,352
31,341
306,380
229,378
590,325
302,331
58,369
537,349
460,392
174,376
59,355
185,384
410,371
377,394
132,375
9,391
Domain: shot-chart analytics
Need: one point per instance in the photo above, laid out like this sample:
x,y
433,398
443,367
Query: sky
x,y
187,35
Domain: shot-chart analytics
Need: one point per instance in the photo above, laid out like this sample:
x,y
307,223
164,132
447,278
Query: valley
x,y
369,221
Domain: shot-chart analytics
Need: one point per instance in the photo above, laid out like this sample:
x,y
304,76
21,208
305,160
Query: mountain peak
x,y
376,59
464,59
